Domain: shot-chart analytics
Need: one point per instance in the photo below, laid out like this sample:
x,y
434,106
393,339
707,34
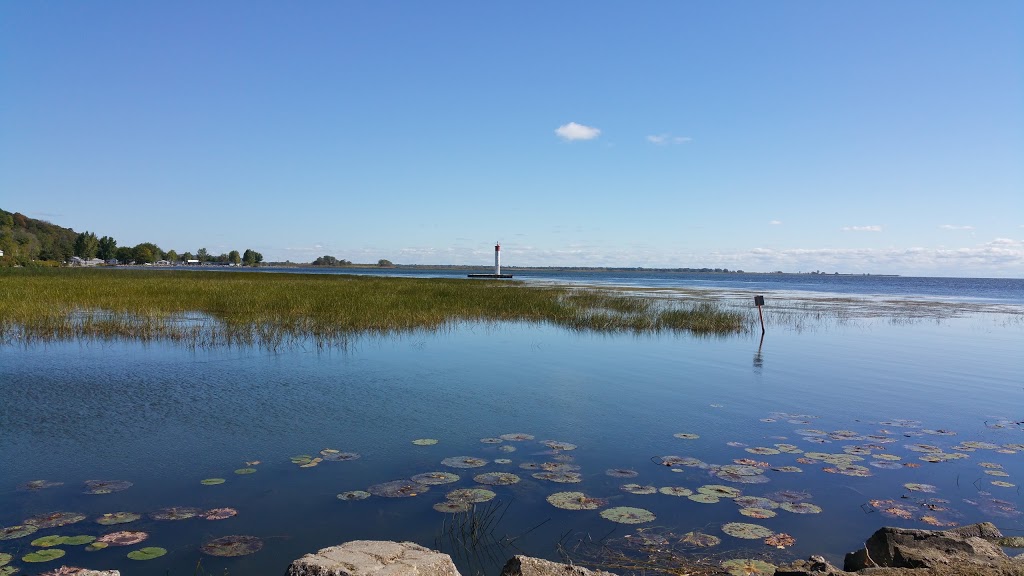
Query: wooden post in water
x,y
759,301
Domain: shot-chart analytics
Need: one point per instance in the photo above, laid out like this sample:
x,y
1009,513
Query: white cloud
x,y
776,222
872,228
663,139
573,131
955,227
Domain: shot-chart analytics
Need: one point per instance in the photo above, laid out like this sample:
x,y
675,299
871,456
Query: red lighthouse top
x,y
497,247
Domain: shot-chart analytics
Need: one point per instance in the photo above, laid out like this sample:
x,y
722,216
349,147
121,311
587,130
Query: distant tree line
x,y
25,241
331,261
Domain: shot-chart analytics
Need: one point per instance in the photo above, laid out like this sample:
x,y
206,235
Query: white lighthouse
x,y
497,259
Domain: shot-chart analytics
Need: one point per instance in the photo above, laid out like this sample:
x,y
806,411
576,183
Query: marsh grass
x,y
205,309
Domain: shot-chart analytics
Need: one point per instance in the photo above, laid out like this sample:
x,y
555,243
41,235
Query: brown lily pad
x,y
231,546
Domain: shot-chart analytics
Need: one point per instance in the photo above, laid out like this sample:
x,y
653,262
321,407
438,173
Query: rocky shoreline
x,y
974,550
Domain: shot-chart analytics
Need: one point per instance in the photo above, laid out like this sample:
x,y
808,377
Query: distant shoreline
x,y
564,269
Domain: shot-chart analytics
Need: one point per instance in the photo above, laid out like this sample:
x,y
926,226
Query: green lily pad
x,y
915,487
80,540
506,448
788,449
700,540
496,478
638,489
502,461
244,471
756,502
491,440
435,478
48,541
763,451
675,491
398,489
746,531
575,501
516,437
55,519
449,507
748,567
117,518
5,559
148,553
175,513
560,477
628,515
787,469
425,441
95,546
800,507
759,513
621,473
336,456
1003,484
219,514
704,498
741,470
44,555
231,546
39,485
20,531
9,570
687,461
464,462
122,538
720,491
556,445
106,486
354,495
471,495
212,481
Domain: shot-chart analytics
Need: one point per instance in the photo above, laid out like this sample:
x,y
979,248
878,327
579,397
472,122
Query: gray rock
x,y
902,548
374,558
813,566
527,566
76,571
983,530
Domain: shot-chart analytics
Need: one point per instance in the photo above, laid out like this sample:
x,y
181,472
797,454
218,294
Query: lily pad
x,y
686,436
230,546
44,555
245,471
628,515
219,513
886,465
638,489
800,507
496,478
502,461
759,513
788,449
506,448
464,462
789,496
575,501
20,531
5,559
175,513
117,518
48,541
559,467
55,519
97,545
212,481
425,441
516,437
106,486
147,553
675,491
470,495
704,498
788,469
398,489
354,495
560,477
1003,484
449,507
746,531
780,540
621,473
80,540
687,461
335,456
748,567
741,470
763,451
755,502
916,487
700,540
720,491
556,445
123,538
435,478
39,485
491,440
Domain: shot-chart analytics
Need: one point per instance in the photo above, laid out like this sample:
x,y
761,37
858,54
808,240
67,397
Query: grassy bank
x,y
213,308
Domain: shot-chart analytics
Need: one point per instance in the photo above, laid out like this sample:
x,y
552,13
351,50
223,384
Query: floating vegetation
x,y
435,478
330,455
464,462
675,491
33,485
20,531
491,440
506,448
763,451
740,478
1003,484
48,541
106,486
720,491
638,489
575,501
700,540
759,513
686,436
231,546
996,473
425,441
450,507
354,495
755,502
752,462
621,473
628,515
556,445
800,507
55,519
245,471
5,559
980,445
886,465
175,513
44,555
704,498
748,567
788,469
788,449
682,461
516,437
471,495
915,487
306,461
780,540
746,531
789,496
398,489
502,461
212,481
559,467
147,553
496,478
849,470
123,538
740,470
219,514
560,477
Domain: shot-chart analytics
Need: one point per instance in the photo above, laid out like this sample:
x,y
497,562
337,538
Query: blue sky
x,y
869,136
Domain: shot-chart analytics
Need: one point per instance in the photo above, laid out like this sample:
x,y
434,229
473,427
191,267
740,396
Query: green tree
x,y
107,248
251,257
234,257
187,256
202,255
147,253
172,256
384,263
86,245
124,255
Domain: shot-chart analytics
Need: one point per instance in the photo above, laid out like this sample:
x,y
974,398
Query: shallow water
x,y
165,418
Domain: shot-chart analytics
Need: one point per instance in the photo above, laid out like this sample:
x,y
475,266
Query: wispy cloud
x,y
776,222
872,228
664,139
956,227
573,131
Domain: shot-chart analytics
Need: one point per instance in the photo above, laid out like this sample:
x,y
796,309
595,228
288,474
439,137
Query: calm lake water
x,y
165,418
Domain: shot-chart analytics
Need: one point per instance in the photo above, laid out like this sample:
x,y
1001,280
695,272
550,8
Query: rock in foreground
x,y
526,566
374,558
